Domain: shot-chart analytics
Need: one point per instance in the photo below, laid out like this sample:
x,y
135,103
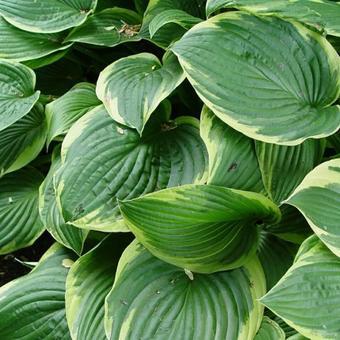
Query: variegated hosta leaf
x,y
334,140
17,95
88,283
22,141
172,16
318,199
66,234
20,223
232,157
132,87
46,16
307,297
33,306
110,27
323,14
172,31
44,61
67,109
292,227
203,228
266,91
153,299
276,257
270,330
19,45
103,161
284,167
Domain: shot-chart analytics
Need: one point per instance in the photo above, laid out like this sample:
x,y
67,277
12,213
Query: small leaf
x,y
270,330
17,95
152,299
132,87
67,109
203,228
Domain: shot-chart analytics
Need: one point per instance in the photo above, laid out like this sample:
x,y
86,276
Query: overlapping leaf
x,y
109,27
133,87
33,306
20,223
103,161
88,283
203,228
22,141
17,95
46,16
323,14
307,296
232,157
266,91
68,235
318,199
152,299
270,330
67,109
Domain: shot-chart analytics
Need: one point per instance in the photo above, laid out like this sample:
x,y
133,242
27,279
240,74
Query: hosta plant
x,y
182,160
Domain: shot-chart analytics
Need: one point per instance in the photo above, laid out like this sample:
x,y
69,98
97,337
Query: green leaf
x,y
266,91
322,14
276,257
46,16
309,292
172,16
88,283
33,306
20,224
284,167
17,95
152,299
292,227
270,330
203,228
19,45
318,199
67,109
66,234
103,161
44,61
22,141
172,31
232,157
132,87
110,27
334,140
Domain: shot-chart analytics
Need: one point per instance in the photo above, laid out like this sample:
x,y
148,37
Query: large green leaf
x,y
266,91
323,14
172,31
67,109
33,306
318,199
232,157
270,330
110,27
17,95
203,228
307,297
22,141
284,167
66,234
19,45
103,161
276,257
152,299
88,283
292,227
132,87
20,224
46,16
